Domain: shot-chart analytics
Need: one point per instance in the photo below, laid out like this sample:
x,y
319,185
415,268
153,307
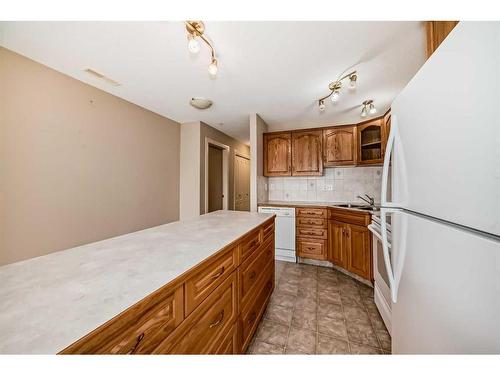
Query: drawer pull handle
x,y
310,248
221,271
252,318
252,275
136,345
219,320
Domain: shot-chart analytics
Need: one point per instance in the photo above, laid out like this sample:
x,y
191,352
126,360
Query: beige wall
x,y
190,171
77,165
207,131
258,183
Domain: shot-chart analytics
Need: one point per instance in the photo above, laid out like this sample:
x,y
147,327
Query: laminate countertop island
x,y
49,302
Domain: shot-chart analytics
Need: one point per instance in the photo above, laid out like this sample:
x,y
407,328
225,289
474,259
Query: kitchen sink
x,y
357,206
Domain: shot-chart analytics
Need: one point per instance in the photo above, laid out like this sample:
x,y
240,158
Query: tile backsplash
x,y
336,185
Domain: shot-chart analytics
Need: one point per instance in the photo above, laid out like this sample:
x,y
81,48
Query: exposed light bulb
x,y
193,44
373,110
212,68
335,96
364,112
352,83
322,105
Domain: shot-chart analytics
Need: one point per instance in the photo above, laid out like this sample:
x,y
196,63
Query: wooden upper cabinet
x,y
307,157
371,142
437,31
277,154
339,146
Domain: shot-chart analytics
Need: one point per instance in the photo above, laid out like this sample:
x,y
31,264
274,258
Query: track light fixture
x,y
196,29
368,108
335,87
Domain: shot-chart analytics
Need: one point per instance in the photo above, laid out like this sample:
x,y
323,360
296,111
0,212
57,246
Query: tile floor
x,y
318,310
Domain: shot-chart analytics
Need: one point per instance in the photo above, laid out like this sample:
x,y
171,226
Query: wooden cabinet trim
x,y
252,312
138,329
207,277
210,321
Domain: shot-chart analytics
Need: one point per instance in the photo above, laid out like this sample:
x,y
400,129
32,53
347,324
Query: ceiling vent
x,y
200,103
103,77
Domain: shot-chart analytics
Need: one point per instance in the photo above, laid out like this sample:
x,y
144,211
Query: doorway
x,y
215,192
216,176
241,183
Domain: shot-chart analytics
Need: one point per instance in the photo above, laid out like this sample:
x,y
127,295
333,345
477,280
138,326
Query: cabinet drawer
x,y
252,271
229,344
311,248
311,222
312,232
312,212
208,277
253,311
250,243
138,330
203,330
268,230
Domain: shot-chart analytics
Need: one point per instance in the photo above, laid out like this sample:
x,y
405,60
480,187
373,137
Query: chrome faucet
x,y
368,199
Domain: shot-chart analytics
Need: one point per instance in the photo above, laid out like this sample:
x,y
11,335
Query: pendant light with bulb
x,y
196,29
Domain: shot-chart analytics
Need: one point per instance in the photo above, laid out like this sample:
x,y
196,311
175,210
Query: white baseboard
x,y
383,308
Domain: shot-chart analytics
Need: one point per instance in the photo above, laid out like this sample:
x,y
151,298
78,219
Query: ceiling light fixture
x,y
196,29
335,87
368,107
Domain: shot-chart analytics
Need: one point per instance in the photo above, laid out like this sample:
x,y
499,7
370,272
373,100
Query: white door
x,y
449,128
448,300
241,183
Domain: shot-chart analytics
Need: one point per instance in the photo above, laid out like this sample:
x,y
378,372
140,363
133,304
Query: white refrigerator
x,y
443,163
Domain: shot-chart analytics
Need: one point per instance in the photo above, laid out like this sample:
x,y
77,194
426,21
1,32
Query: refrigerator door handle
x,y
385,250
394,271
391,141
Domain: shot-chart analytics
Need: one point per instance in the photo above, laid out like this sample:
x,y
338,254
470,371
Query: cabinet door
x,y
370,138
307,158
277,154
339,146
437,31
336,248
386,129
359,252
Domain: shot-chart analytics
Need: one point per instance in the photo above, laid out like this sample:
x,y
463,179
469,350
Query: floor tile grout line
x,y
370,320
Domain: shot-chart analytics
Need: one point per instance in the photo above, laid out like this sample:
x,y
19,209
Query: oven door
x,y
382,290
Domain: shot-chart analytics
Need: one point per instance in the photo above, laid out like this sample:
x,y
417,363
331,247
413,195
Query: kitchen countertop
x,y
314,204
49,302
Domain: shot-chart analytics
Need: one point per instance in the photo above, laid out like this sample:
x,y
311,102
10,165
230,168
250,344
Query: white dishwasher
x,y
284,238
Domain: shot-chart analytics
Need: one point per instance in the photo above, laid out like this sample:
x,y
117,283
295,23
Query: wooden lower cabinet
x,y
252,312
349,247
337,251
214,308
312,233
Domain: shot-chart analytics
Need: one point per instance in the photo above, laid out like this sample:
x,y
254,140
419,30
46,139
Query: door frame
x,y
225,171
241,155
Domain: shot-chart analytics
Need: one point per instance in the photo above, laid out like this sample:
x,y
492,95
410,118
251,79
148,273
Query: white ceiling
x,y
277,69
